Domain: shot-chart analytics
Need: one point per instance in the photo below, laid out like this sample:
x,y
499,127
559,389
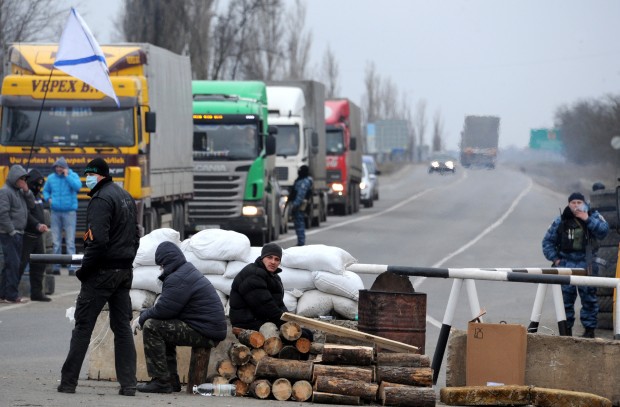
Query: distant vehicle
x,y
282,197
479,140
442,163
366,187
373,175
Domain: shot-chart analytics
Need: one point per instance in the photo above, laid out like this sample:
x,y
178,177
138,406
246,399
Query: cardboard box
x,y
495,354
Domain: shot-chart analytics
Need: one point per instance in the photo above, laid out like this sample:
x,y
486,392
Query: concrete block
x,y
554,362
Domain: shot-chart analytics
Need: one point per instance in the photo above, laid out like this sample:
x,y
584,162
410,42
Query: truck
x,y
479,140
47,114
234,160
296,109
343,128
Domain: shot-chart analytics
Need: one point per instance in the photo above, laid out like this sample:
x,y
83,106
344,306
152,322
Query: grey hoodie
x,y
14,203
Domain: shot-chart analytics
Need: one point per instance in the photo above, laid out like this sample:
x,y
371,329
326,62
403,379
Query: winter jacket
x,y
256,297
112,236
186,295
36,215
595,227
62,190
14,203
302,189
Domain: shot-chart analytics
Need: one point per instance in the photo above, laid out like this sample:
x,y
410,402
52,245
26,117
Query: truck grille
x,y
334,176
281,173
216,197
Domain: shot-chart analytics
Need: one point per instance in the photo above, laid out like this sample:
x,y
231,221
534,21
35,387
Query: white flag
x,y
80,56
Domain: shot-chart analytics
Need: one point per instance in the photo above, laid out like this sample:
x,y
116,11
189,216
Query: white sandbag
x,y
223,297
345,307
346,285
141,299
317,257
290,301
219,244
220,283
227,308
301,280
146,278
314,303
234,267
149,243
205,266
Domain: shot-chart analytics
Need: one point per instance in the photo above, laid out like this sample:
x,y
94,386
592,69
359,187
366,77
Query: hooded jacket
x,y
14,203
256,297
62,190
186,295
36,215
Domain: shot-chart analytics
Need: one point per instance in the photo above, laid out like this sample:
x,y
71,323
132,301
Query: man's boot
x,y
588,333
175,382
156,385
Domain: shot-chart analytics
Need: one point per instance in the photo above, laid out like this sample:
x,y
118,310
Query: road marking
x,y
3,308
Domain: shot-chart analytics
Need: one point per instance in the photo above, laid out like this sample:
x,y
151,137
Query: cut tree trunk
x,y
258,354
402,359
239,354
281,389
272,368
273,345
251,339
289,352
247,373
291,331
241,388
261,389
336,385
269,330
364,374
226,368
348,355
303,345
413,376
316,348
408,396
221,380
338,399
302,390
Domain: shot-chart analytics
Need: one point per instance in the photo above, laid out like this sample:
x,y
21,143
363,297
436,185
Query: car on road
x,y
373,175
366,193
442,163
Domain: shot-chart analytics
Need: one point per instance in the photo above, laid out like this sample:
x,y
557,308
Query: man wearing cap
x,y
60,191
257,293
110,245
301,194
15,200
571,241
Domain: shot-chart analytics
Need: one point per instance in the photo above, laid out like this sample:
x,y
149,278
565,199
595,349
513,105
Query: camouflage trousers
x,y
161,337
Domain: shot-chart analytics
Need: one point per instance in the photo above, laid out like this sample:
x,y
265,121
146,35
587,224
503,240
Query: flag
x,y
80,56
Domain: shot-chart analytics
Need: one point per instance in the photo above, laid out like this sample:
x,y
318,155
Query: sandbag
x,y
345,307
314,303
141,299
290,301
146,278
234,267
223,297
219,244
206,266
317,257
346,285
301,280
220,283
145,255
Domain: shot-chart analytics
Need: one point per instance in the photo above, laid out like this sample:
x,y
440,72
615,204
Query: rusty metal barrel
x,y
397,316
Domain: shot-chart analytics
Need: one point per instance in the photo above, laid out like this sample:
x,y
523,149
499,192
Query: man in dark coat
x,y
33,238
257,294
187,313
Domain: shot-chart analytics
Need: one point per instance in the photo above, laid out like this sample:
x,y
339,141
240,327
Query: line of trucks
x,y
193,154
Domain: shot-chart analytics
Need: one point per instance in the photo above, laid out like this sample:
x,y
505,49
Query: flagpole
x,y
36,129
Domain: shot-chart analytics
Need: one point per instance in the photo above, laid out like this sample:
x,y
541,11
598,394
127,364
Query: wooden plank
x,y
350,333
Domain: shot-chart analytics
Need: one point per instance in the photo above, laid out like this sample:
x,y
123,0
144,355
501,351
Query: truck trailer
x,y
234,159
146,141
296,109
479,141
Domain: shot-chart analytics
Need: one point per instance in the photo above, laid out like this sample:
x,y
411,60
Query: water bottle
x,y
210,389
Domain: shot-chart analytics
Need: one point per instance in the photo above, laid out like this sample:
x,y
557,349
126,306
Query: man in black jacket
x,y
110,245
33,238
187,313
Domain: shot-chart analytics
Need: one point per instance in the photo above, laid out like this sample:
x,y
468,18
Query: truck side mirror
x,y
314,140
353,144
270,145
272,130
150,122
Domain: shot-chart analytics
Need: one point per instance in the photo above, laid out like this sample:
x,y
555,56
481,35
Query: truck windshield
x,y
335,141
287,140
68,126
225,142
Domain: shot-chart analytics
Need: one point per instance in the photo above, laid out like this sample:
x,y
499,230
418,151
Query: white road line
x,y
8,307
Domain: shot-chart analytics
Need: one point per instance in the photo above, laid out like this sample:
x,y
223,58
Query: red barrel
x,y
397,316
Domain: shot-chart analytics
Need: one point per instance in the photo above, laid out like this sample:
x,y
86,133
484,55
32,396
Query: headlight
x,y
435,164
251,210
450,164
336,187
363,185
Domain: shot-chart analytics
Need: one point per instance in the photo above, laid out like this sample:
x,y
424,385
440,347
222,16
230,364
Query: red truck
x,y
343,127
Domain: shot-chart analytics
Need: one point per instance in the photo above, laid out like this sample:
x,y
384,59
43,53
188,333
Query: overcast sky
x,y
517,59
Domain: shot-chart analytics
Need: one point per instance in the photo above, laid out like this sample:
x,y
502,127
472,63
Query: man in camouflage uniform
x,y
300,196
188,313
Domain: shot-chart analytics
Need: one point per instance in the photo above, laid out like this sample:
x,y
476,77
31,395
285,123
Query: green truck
x,y
234,160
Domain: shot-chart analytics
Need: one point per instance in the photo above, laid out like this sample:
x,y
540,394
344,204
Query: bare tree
x,y
200,14
389,99
420,121
263,59
371,101
330,73
437,132
298,43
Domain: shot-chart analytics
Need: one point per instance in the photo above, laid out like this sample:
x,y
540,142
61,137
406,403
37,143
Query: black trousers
x,y
33,244
111,286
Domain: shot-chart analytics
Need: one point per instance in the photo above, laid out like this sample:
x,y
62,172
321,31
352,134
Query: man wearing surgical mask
x,y
110,245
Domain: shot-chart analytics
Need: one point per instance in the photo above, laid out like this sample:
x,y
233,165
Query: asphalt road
x,y
475,218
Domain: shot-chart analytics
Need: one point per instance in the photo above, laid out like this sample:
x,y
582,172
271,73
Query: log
x,y
413,376
236,331
291,331
316,348
341,340
403,359
302,390
336,385
261,389
289,352
364,374
272,368
408,396
339,399
226,368
282,389
242,389
221,380
257,354
239,354
269,330
348,355
303,345
247,373
273,345
350,333
251,339
198,366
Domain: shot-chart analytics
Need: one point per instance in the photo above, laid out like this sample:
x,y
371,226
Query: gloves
x,y
135,325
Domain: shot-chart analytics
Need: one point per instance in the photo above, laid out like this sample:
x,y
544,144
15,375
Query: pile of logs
x,y
283,364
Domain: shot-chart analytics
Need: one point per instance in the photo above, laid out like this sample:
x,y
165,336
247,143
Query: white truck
x,y
296,108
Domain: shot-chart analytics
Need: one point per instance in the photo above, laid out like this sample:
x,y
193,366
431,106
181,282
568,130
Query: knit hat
x,y
271,249
98,166
303,171
576,195
61,162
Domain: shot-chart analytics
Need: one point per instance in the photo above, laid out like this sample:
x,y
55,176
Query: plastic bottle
x,y
210,389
